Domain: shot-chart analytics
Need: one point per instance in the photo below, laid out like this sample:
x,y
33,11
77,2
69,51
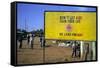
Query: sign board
x,y
70,25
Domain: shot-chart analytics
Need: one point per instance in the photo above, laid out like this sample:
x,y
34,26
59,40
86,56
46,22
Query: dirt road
x,y
49,54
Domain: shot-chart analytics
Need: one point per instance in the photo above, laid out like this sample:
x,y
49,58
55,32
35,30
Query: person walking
x,y
74,49
78,50
41,40
28,39
21,40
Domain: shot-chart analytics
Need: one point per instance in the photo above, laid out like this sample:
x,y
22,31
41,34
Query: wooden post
x,y
94,50
81,49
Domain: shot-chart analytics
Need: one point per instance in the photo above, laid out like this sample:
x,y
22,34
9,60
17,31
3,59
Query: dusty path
x,y
52,54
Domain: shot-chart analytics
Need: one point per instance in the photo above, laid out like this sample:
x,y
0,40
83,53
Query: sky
x,y
33,14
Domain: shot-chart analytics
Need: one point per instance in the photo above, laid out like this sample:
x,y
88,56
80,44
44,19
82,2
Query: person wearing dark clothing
x,y
28,39
20,40
41,40
78,50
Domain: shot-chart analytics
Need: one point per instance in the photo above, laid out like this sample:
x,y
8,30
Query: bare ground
x,y
51,54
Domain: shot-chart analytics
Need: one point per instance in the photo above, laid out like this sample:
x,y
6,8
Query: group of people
x,y
30,40
76,49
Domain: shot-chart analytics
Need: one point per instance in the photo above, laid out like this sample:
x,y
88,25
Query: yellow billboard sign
x,y
70,25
